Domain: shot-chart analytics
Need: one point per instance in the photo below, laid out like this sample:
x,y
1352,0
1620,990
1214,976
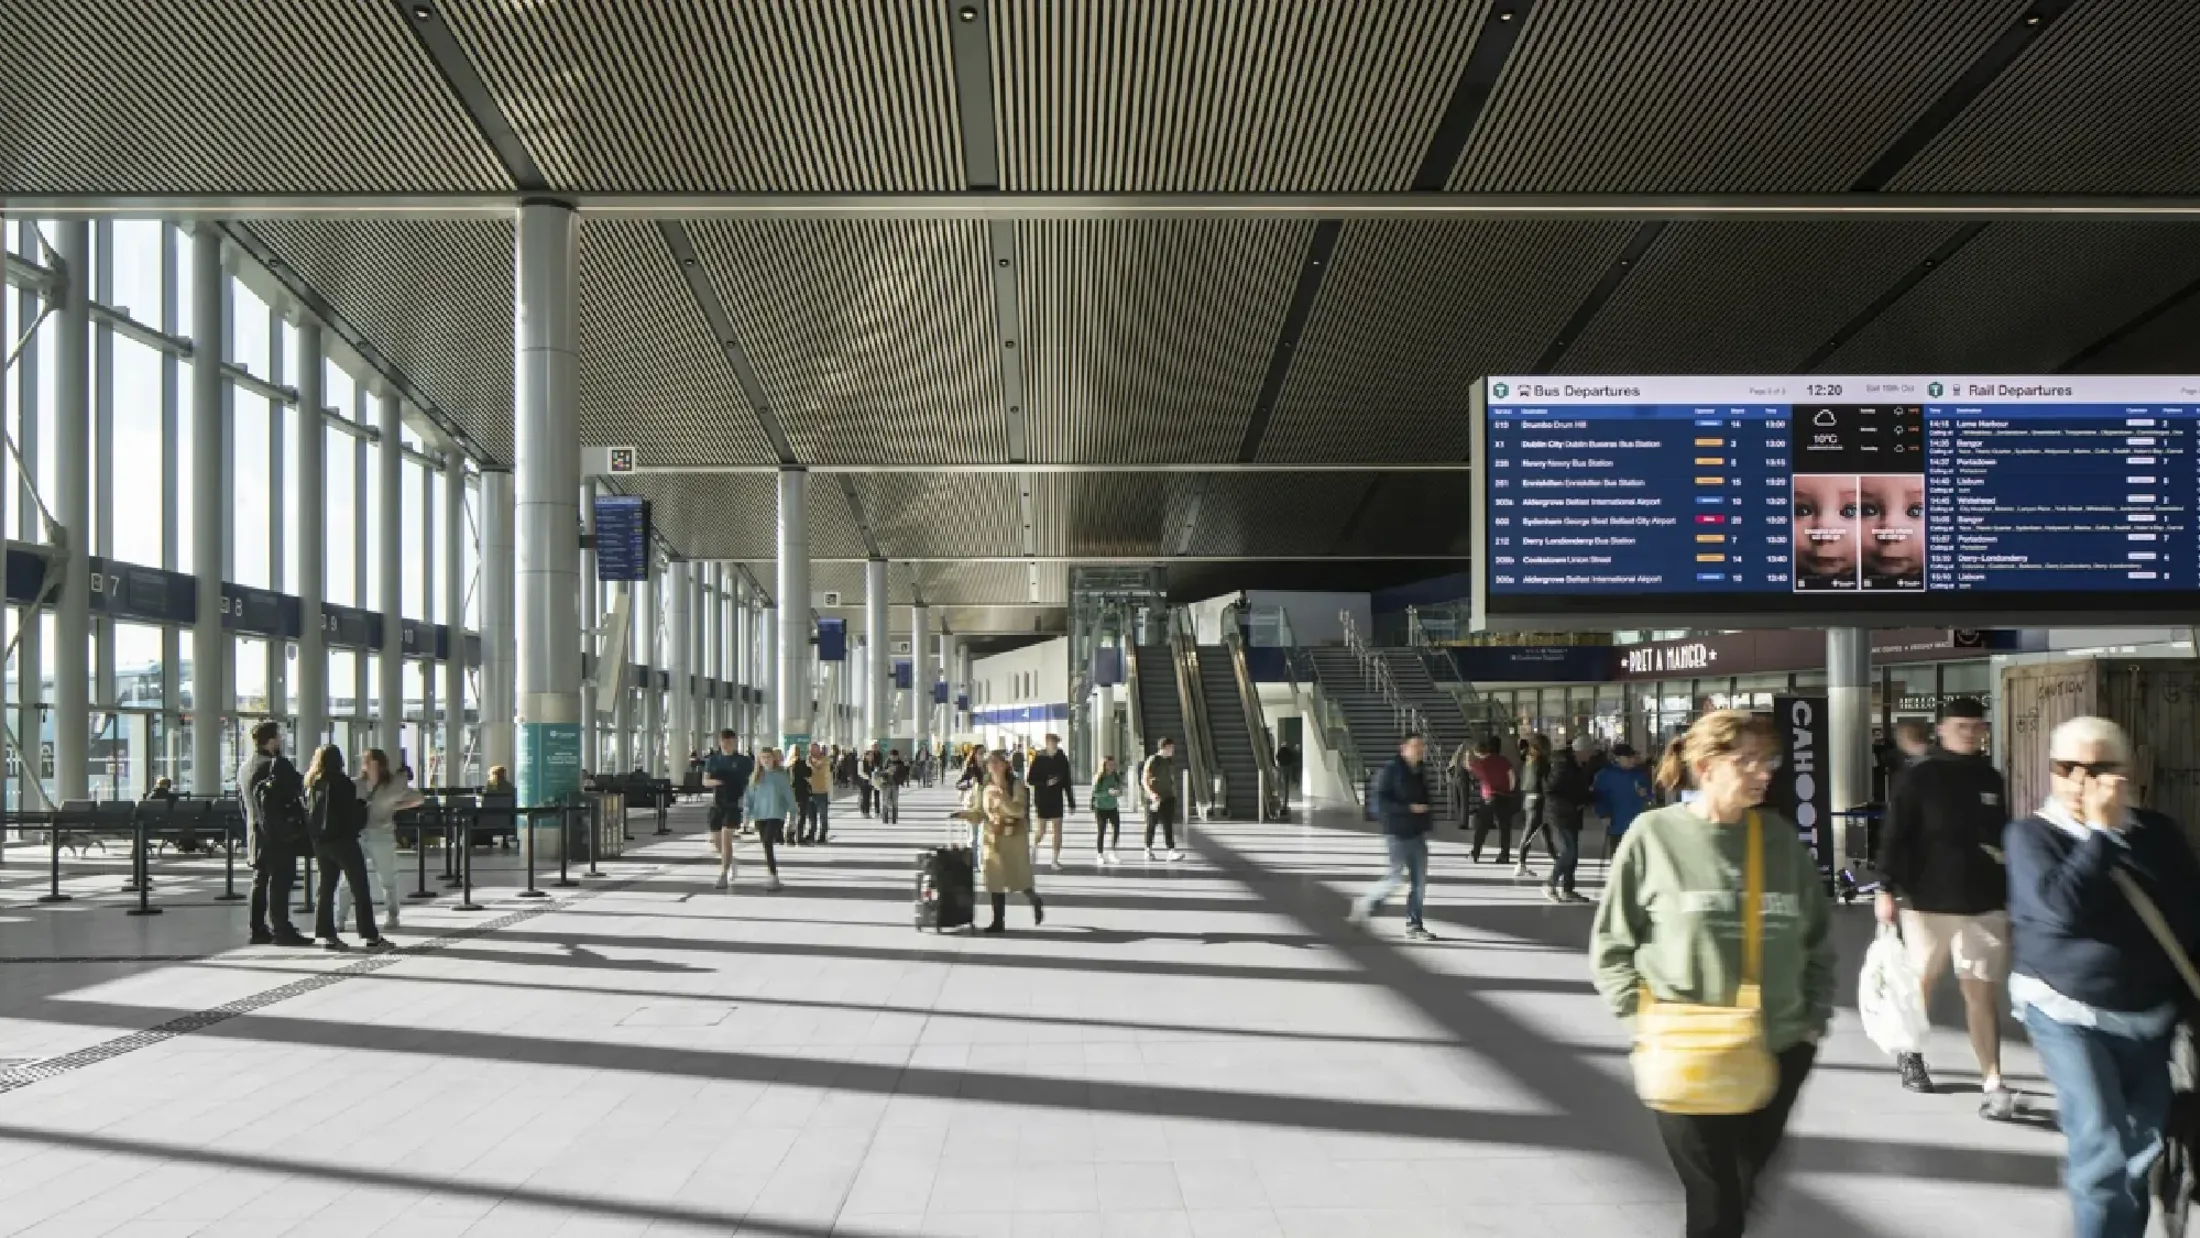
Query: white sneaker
x,y
1523,870
1108,857
1174,856
1357,917
775,885
1149,855
1054,865
389,920
725,878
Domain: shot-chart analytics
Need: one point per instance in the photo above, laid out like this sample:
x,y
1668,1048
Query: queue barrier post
x,y
53,839
595,833
420,860
465,868
534,837
141,865
566,814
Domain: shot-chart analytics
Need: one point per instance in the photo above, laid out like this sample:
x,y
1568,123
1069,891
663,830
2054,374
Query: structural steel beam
x,y
991,206
1230,466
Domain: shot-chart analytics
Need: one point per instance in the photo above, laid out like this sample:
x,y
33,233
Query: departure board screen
x,y
1843,496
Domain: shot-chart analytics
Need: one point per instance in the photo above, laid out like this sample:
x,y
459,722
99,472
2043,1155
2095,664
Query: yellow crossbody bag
x,y
1712,1059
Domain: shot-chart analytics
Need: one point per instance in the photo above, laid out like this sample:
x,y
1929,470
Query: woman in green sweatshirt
x,y
1671,922
1107,818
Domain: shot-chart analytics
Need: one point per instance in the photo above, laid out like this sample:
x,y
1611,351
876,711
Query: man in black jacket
x,y
1049,778
1401,802
1566,796
1942,857
274,815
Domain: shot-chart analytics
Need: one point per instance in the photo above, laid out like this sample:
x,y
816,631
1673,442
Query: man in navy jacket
x,y
2099,992
1401,803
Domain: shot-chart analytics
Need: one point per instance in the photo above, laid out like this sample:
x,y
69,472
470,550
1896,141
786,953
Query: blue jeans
x,y
2114,1094
1568,836
1408,862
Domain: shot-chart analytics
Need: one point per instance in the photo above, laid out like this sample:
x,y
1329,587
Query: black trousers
x,y
1109,828
274,873
863,795
1721,1160
1165,817
1496,812
768,833
342,859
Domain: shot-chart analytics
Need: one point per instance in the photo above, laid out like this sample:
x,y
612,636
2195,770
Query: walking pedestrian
x,y
1944,885
1622,792
2103,898
1157,781
1402,804
1741,925
1494,774
772,801
892,775
866,772
1535,777
335,817
1049,779
726,772
818,821
1566,796
1107,816
1007,808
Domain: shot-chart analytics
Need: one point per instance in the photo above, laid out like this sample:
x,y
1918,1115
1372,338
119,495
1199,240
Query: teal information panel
x,y
549,762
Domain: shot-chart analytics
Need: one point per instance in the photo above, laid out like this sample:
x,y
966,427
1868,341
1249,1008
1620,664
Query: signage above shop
x,y
1756,652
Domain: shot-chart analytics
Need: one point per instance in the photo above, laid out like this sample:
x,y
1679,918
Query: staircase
x,y
1409,670
1159,710
1232,732
1374,724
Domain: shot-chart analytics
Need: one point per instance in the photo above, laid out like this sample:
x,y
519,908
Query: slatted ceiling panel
x,y
1717,95
1409,513
1129,95
1411,315
1270,513
2025,298
798,96
875,341
974,584
714,515
1747,297
2168,343
846,579
2101,102
1149,340
941,513
219,96
651,374
435,296
1102,513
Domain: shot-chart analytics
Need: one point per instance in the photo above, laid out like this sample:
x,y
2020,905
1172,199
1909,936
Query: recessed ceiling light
x,y
967,13
1506,15
422,12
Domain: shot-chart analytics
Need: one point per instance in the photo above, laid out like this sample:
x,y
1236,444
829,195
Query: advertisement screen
x,y
1844,497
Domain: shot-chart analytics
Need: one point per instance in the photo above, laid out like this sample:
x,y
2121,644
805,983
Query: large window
x,y
140,453
252,513
340,498
415,528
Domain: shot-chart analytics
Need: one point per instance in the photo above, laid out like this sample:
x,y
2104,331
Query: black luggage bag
x,y
946,893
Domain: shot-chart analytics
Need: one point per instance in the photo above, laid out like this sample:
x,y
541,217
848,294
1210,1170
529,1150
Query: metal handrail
x,y
1198,742
1256,724
1130,683
1329,723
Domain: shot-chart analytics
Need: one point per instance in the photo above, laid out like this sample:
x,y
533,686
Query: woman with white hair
x,y
2099,988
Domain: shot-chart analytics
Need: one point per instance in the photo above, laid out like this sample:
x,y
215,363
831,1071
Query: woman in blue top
x,y
771,800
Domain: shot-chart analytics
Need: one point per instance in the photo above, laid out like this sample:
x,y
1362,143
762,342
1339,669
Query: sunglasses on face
x,y
2091,769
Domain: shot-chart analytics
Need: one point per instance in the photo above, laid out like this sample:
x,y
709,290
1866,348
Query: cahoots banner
x,y
1801,789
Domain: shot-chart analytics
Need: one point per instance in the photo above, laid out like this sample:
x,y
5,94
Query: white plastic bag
x,y
1889,996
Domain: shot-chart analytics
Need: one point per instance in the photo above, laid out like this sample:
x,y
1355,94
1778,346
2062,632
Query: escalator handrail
x,y
1198,742
1130,681
1256,723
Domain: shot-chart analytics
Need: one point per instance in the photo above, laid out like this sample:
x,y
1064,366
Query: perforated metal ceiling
x,y
1149,341
723,94
1223,94
2024,298
217,96
1717,95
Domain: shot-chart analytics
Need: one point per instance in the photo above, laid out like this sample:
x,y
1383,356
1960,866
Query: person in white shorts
x,y
1945,885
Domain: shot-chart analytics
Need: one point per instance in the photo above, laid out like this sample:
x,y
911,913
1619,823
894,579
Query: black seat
x,y
496,819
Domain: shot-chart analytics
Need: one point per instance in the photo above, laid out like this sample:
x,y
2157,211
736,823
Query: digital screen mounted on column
x,y
1604,500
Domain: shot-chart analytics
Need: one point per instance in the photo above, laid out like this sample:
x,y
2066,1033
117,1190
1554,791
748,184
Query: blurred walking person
x,y
772,801
726,772
1402,804
1157,784
1007,810
1049,779
1494,775
1107,815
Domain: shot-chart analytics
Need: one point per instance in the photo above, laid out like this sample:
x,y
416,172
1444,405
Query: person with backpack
x,y
335,817
275,823
1157,781
1566,796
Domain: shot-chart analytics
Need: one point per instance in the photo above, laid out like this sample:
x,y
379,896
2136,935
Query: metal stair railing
x,y
1271,800
1329,722
1130,684
1198,740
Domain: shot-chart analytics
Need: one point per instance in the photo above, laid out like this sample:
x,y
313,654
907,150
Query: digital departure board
x,y
1633,498
622,538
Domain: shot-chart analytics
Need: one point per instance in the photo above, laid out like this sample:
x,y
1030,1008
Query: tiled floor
x,y
1198,1049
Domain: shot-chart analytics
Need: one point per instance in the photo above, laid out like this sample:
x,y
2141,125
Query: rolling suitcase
x,y
946,889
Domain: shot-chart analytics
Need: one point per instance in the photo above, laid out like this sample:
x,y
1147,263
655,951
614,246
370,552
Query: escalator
x,y
1160,709
1232,732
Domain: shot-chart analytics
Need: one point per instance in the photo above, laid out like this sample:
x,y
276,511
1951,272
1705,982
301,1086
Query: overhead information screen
x,y
1796,496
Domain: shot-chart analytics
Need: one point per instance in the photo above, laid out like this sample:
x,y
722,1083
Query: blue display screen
x,y
622,538
1854,495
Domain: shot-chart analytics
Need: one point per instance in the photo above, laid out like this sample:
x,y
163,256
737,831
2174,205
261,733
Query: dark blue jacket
x,y
1397,788
2071,925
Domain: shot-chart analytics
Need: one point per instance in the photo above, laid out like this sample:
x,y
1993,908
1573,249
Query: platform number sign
x,y
622,460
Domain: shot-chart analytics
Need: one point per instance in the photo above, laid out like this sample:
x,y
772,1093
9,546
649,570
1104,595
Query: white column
x,y
648,656
877,668
454,616
1848,725
209,494
714,647
499,625
308,465
680,593
72,618
920,674
792,691
741,661
389,571
768,723
622,705
547,473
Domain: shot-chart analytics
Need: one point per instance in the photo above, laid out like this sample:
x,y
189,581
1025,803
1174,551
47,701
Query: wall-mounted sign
x,y
622,538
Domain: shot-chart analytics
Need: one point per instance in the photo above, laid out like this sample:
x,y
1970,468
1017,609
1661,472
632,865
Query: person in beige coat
x,y
1007,824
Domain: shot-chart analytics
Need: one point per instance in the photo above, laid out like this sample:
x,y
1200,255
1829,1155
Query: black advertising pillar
x,y
1801,788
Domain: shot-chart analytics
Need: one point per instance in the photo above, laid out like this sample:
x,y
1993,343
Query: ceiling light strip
x,y
682,247
473,93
